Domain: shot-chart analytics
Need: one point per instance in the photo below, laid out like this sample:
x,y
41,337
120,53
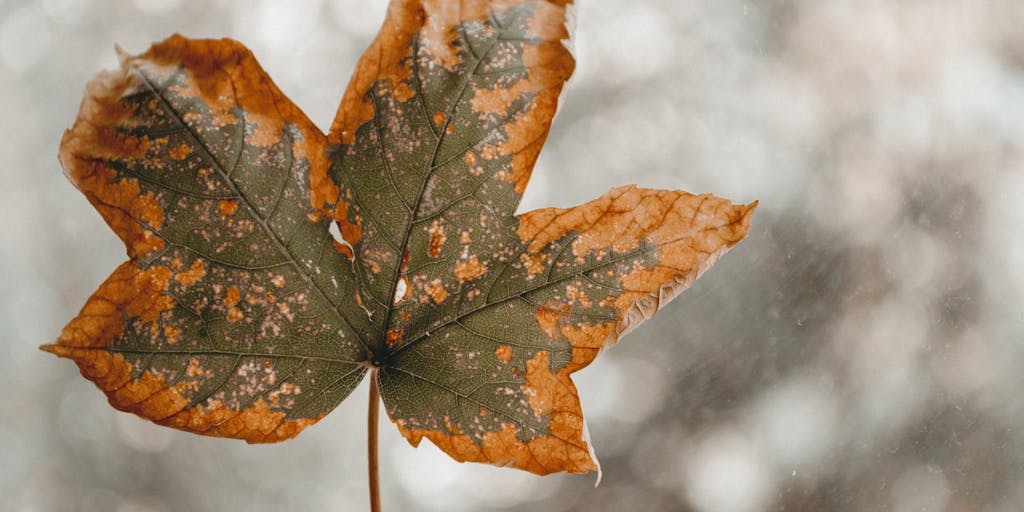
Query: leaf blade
x,y
209,175
238,315
421,136
551,321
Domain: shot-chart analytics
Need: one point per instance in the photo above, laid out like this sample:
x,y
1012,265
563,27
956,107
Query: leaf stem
x,y
371,442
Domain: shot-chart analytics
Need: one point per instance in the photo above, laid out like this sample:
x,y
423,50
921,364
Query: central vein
x,y
427,173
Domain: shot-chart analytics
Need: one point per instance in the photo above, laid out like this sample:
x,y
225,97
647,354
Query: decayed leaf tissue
x,y
239,313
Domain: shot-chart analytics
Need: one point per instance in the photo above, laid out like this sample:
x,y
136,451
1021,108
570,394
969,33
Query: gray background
x,y
860,351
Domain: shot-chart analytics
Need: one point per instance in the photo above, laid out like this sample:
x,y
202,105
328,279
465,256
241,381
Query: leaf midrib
x,y
212,352
389,298
457,319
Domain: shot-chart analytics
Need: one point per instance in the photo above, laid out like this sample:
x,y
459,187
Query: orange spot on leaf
x,y
232,296
436,291
504,353
534,264
437,238
469,269
227,207
191,276
394,337
179,152
171,334
548,319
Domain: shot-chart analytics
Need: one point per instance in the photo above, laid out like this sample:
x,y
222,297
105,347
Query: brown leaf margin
x,y
132,292
690,232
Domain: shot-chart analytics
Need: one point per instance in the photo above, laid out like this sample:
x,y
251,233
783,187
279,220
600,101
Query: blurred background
x,y
861,350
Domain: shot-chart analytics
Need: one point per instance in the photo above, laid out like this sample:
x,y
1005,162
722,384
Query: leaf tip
x,y
590,450
747,211
57,350
122,56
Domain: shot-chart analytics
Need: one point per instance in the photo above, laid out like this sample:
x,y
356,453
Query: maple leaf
x,y
239,315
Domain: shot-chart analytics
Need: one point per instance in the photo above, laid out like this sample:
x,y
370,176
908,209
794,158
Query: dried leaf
x,y
239,315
